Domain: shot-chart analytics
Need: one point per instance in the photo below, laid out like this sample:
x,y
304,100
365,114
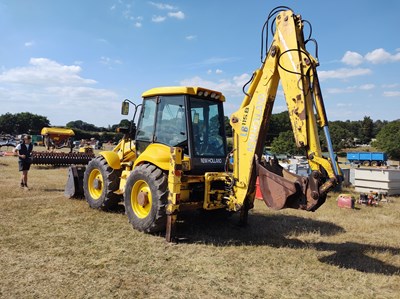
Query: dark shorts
x,y
24,165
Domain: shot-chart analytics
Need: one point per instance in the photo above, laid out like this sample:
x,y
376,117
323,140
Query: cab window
x,y
171,121
208,136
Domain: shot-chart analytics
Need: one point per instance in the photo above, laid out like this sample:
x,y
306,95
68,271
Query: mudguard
x,y
112,159
157,154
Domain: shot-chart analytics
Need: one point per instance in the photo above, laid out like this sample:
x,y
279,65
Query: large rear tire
x,y
146,197
99,183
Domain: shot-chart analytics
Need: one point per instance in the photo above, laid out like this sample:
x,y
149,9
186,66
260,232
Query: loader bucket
x,y
282,189
74,185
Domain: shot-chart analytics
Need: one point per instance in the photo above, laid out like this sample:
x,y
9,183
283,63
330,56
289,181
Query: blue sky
x,y
78,59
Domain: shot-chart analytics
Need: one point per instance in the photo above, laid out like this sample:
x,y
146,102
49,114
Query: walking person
x,y
23,150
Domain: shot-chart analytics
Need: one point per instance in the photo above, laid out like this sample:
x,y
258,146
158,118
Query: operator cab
x,y
191,118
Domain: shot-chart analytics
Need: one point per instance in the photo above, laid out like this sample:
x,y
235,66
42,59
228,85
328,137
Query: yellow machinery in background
x,y
55,138
176,158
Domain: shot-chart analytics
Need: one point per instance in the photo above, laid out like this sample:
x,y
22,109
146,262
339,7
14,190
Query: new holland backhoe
x,y
176,158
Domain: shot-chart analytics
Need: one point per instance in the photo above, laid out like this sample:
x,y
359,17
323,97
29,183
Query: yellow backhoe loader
x,y
176,158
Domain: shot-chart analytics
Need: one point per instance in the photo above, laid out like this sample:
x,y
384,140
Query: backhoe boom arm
x,y
290,63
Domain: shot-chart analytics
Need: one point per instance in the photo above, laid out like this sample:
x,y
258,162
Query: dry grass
x,y
53,247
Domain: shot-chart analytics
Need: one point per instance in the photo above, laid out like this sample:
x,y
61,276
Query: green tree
x,y
81,125
7,124
367,127
388,139
378,125
340,136
285,144
124,123
280,122
23,122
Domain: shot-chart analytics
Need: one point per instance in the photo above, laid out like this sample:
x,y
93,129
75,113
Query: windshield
x,y
146,120
208,135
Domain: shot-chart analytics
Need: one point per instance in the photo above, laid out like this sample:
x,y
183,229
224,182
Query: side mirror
x,y
125,108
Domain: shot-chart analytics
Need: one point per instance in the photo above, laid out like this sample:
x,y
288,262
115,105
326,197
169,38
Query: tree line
x,y
344,134
383,135
29,123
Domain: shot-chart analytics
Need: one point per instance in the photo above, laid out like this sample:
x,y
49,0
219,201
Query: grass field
x,y
53,247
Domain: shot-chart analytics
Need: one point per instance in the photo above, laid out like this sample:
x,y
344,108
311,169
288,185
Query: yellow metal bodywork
x,y
156,153
57,131
112,158
189,90
213,199
174,187
288,62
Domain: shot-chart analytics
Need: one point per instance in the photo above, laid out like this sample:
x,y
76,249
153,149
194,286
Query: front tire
x,y
146,197
99,183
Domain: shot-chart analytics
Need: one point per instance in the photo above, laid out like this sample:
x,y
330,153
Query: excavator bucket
x,y
282,189
74,186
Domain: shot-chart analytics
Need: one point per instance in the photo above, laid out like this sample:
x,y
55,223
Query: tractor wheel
x,y
366,163
146,197
374,163
99,183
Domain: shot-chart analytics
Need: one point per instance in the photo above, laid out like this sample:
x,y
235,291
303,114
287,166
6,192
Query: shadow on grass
x,y
280,231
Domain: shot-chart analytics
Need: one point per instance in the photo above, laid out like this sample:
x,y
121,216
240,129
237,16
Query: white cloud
x,y
367,86
379,56
109,61
350,89
138,24
229,86
102,40
158,19
376,56
339,90
343,73
394,85
178,15
127,12
217,71
162,6
57,91
29,44
191,37
43,71
352,58
391,94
